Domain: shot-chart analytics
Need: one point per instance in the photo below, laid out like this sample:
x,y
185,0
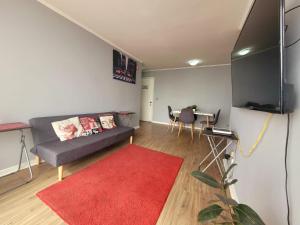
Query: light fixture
x,y
194,62
244,51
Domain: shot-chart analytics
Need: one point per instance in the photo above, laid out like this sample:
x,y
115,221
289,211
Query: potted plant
x,y
225,210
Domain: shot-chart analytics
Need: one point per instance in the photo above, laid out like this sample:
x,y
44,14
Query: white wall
x,y
207,87
50,66
261,177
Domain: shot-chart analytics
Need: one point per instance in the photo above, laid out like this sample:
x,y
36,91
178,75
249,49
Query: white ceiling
x,y
162,33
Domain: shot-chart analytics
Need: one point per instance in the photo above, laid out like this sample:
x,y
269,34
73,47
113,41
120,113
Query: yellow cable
x,y
260,136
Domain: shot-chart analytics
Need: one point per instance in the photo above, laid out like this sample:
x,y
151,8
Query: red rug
x,y
130,187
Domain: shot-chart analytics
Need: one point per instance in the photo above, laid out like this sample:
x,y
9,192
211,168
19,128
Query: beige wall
x,y
207,87
262,177
50,66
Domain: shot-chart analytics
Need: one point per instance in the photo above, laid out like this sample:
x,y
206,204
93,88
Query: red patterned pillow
x,y
68,129
90,126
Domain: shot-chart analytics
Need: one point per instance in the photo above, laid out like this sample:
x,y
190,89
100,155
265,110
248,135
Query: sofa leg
x,y
60,173
38,160
131,139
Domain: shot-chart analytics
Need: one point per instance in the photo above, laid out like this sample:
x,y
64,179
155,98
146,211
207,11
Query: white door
x,y
147,98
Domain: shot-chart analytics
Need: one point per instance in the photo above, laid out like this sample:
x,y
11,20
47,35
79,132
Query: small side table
x,y
128,115
21,127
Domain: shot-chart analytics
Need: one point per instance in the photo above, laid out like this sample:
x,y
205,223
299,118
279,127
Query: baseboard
x,y
136,127
176,125
163,123
232,189
14,168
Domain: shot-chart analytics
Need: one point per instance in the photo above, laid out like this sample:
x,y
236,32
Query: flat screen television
x,y
258,61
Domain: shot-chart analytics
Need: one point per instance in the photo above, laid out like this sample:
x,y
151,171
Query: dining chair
x,y
194,107
187,117
211,123
173,119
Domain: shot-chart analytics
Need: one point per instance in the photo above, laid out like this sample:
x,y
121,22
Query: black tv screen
x,y
257,59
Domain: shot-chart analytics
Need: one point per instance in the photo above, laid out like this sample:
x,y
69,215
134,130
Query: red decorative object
x,y
129,187
70,131
89,124
13,126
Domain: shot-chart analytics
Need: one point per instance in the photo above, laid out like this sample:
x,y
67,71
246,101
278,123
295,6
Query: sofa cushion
x,y
58,153
90,126
68,129
107,122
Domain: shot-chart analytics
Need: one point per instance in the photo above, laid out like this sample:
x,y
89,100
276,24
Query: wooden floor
x,y
21,206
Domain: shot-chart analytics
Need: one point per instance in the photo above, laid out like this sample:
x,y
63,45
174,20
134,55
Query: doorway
x,y
147,99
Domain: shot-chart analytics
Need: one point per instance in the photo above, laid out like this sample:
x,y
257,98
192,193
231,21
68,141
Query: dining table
x,y
177,112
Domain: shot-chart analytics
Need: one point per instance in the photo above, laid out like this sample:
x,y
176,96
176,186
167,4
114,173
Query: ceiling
x,y
162,33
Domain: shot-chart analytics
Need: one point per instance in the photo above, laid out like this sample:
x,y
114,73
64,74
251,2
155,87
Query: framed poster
x,y
124,68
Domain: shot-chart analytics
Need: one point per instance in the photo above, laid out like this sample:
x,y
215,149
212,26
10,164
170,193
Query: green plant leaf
x,y
227,201
225,223
203,177
228,171
213,201
246,216
230,183
209,213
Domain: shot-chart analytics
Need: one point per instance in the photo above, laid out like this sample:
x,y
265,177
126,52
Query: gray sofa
x,y
48,147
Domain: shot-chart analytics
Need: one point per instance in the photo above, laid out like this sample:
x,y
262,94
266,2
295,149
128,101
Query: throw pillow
x,y
67,129
107,122
90,126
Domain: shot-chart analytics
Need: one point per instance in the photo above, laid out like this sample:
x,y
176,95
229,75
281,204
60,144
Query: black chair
x,y
216,118
194,107
210,123
187,117
173,119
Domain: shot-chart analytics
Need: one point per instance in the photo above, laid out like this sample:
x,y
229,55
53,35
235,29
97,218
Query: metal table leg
x,y
217,156
215,152
24,149
211,152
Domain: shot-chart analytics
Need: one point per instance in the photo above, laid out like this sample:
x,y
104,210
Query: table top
x,y
125,113
195,112
13,126
209,132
